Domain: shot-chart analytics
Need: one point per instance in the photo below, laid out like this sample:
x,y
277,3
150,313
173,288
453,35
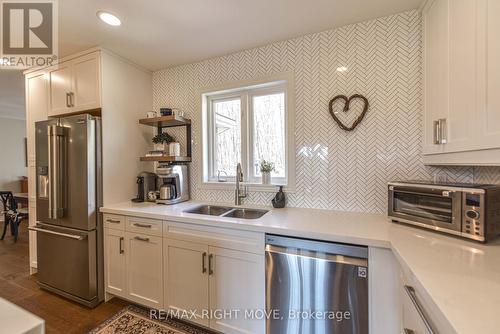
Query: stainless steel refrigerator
x,y
68,197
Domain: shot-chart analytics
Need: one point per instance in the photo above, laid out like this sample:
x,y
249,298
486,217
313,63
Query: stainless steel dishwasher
x,y
315,287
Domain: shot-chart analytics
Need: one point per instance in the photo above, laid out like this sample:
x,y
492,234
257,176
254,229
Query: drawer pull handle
x,y
121,245
210,269
203,262
142,239
143,225
436,133
113,221
409,331
413,297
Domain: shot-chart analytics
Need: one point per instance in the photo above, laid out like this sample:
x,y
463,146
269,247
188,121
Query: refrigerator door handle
x,y
72,236
57,162
50,179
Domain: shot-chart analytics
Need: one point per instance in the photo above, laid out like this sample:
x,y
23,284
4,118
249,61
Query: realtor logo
x,y
29,28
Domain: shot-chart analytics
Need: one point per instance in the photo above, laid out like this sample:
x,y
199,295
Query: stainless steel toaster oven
x,y
467,210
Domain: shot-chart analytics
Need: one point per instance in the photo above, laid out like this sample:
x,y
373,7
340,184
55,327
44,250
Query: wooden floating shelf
x,y
165,121
167,158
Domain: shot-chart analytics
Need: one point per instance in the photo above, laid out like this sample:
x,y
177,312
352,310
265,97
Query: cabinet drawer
x,y
215,236
415,318
419,308
144,225
114,222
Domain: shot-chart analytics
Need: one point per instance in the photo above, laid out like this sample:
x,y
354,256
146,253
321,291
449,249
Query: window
x,y
247,125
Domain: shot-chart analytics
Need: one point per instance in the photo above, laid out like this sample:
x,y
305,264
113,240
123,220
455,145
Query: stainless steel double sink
x,y
227,211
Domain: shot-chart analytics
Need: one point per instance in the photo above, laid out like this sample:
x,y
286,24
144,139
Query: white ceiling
x,y
12,94
162,33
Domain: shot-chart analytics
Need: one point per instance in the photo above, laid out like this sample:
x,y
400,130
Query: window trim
x,y
279,81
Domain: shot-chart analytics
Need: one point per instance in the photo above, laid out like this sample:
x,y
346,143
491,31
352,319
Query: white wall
x,y
12,104
12,153
126,97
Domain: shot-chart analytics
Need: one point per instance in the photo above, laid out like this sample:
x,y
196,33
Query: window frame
x,y
276,89
212,173
246,90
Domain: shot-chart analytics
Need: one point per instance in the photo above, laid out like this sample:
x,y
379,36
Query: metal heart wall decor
x,y
347,103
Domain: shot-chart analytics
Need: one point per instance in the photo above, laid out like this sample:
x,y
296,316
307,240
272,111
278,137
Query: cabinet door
x,y
115,262
489,86
60,85
186,272
453,55
461,118
237,282
86,83
37,104
144,269
436,70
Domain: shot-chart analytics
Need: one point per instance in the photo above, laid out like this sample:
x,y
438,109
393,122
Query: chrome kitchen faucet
x,y
238,194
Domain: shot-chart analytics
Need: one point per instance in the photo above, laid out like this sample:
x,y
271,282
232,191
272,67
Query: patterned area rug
x,y
133,320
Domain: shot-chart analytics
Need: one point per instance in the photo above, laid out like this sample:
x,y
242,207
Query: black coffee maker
x,y
146,182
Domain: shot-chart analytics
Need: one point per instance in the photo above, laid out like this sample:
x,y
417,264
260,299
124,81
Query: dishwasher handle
x,y
305,254
291,244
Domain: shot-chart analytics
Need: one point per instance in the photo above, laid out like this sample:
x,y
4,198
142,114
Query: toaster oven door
x,y
429,207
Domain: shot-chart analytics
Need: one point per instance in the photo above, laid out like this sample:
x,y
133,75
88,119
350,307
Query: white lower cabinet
x,y
420,315
223,287
186,278
115,262
237,284
144,269
133,263
413,321
215,274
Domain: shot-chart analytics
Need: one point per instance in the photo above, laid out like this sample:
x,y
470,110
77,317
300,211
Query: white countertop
x,y
14,319
461,277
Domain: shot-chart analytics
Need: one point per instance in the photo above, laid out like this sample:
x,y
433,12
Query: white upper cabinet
x,y
461,78
60,88
436,73
86,89
75,85
489,85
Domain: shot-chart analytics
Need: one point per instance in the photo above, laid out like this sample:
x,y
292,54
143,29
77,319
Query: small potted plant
x,y
266,167
162,140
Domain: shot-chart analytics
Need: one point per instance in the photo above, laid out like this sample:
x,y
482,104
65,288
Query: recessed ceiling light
x,y
109,18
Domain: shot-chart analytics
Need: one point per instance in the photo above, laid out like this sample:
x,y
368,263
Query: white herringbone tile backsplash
x,y
334,169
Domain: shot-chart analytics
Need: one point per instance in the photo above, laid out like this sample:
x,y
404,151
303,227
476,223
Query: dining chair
x,y
12,215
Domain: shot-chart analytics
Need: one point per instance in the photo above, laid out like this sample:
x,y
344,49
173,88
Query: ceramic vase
x,y
266,178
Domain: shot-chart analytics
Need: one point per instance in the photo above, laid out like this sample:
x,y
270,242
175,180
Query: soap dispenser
x,y
280,199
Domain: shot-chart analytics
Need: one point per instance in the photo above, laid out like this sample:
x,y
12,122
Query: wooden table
x,y
21,198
